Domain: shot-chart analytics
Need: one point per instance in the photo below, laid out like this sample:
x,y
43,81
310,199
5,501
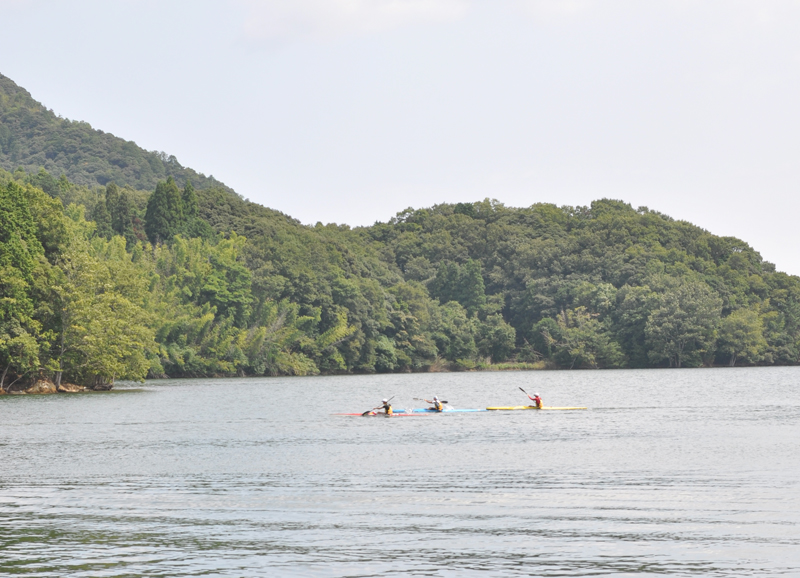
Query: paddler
x,y
385,406
537,401
437,405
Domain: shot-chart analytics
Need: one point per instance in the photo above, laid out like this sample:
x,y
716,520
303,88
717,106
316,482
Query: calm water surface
x,y
670,472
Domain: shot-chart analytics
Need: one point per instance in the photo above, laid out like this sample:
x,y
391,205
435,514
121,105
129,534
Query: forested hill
x,y
33,137
107,282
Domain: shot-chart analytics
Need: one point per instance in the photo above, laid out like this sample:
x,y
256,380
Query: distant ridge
x,y
461,286
33,137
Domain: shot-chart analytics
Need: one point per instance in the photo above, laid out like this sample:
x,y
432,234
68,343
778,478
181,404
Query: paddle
x,y
526,393
426,401
366,413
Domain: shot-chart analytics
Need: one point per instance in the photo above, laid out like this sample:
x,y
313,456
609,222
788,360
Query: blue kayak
x,y
429,410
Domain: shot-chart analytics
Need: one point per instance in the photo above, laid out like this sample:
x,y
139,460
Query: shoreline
x,y
47,387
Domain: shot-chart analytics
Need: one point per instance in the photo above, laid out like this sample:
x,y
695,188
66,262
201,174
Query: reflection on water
x,y
685,473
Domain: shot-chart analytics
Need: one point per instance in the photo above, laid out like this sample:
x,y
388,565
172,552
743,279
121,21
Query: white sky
x,y
351,110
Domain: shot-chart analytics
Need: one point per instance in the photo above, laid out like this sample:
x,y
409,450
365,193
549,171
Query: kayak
x,y
412,412
395,414
510,407
445,410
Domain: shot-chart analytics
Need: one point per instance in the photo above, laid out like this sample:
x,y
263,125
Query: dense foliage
x,y
199,283
104,280
606,285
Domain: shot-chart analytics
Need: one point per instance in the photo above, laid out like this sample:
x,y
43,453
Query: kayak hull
x,y
412,412
428,410
395,414
425,410
513,407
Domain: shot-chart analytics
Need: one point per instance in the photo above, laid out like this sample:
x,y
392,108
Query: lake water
x,y
677,472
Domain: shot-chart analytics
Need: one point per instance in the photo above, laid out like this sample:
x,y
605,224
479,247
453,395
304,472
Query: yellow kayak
x,y
510,407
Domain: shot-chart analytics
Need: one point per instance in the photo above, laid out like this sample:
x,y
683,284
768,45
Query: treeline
x,y
104,283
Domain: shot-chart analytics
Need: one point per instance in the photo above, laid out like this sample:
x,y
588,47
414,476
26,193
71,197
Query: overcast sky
x,y
349,111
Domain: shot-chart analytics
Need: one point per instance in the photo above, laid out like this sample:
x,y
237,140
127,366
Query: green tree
x,y
194,225
103,331
21,258
19,349
164,218
741,335
461,283
684,324
495,338
227,286
121,213
386,355
454,332
445,285
544,336
102,219
45,181
412,316
472,293
189,200
630,319
584,342
272,344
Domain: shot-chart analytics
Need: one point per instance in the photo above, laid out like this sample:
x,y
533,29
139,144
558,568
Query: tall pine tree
x,y
122,214
194,226
189,199
164,218
102,219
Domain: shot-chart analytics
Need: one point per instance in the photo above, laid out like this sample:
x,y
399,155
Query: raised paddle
x,y
526,393
366,413
426,401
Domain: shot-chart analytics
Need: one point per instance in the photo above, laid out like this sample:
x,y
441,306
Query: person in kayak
x,y
437,405
537,401
385,406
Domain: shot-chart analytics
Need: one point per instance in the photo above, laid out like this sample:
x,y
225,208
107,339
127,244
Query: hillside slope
x,y
32,137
